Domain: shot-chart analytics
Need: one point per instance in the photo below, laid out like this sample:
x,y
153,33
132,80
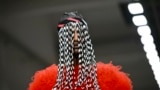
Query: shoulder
x,y
44,79
111,77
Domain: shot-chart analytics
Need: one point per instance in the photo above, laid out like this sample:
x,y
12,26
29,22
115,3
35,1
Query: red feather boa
x,y
109,78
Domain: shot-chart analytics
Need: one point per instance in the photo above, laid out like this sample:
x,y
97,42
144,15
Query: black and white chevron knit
x,y
87,65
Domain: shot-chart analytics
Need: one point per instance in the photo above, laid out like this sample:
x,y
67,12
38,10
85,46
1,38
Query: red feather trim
x,y
109,78
44,79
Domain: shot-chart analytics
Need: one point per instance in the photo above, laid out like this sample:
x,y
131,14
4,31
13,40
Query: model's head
x,y
75,24
75,45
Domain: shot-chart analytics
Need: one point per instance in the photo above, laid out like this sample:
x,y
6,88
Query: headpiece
x,y
87,76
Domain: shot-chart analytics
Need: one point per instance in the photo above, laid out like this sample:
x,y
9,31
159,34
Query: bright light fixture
x,y
144,30
139,20
154,61
146,38
150,49
135,8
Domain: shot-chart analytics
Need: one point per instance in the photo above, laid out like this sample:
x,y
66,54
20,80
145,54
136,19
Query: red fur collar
x,y
109,78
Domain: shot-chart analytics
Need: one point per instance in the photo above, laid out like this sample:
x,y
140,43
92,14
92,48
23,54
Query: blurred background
x,y
29,40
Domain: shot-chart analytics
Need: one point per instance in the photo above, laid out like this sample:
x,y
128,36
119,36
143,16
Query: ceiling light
x,y
144,30
135,8
139,20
